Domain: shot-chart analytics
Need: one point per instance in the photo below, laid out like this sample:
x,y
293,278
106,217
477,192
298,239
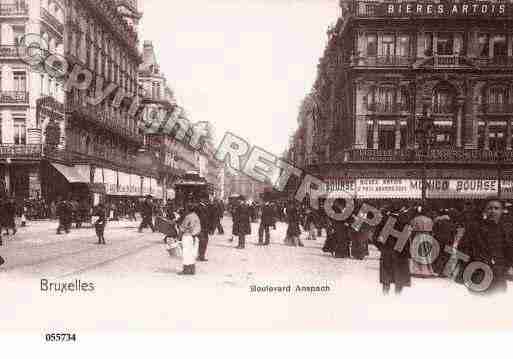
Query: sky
x,y
243,65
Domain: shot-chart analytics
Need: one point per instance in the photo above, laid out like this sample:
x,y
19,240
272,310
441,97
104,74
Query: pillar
x,y
459,123
375,134
508,135
486,142
398,134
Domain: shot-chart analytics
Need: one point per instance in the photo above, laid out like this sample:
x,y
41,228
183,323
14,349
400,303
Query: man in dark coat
x,y
444,231
266,222
219,214
65,215
242,222
489,241
204,212
147,215
10,214
394,266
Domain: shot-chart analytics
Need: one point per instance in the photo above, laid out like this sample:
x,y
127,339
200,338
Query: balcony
x,y
368,9
20,152
497,61
387,108
14,97
103,119
497,108
13,9
434,156
383,61
11,51
52,20
447,61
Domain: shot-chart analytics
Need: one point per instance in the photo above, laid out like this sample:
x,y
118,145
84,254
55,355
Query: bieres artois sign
x,y
445,9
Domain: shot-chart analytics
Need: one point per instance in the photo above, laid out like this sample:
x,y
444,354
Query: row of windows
x,y
99,49
393,99
443,137
388,45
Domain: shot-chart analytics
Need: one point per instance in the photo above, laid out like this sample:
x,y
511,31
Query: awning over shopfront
x,y
146,186
123,184
135,185
110,179
72,174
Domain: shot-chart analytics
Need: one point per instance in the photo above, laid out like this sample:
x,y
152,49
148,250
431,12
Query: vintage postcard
x,y
255,165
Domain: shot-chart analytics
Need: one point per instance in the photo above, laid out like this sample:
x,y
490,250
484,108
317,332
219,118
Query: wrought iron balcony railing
x,y
27,152
14,9
380,61
383,108
14,97
497,108
434,155
496,61
12,51
447,61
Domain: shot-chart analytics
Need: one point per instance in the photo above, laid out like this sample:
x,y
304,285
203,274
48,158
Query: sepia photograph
x,y
264,166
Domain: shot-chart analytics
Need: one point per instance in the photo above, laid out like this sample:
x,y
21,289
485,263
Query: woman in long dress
x,y
190,228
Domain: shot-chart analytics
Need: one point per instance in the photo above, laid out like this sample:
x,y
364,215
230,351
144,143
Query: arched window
x,y
443,100
497,99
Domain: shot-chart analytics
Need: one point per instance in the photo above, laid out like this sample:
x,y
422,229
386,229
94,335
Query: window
x,y
497,99
19,131
500,48
445,44
442,100
497,140
19,34
1,135
385,99
484,45
20,81
388,46
429,44
372,45
403,46
387,139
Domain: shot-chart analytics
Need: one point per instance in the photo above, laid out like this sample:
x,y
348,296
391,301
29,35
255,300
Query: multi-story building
x,y
103,139
31,100
173,158
417,94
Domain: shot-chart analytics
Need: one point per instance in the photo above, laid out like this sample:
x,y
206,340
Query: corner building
x,y
391,68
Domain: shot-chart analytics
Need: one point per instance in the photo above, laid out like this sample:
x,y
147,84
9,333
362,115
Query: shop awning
x,y
71,174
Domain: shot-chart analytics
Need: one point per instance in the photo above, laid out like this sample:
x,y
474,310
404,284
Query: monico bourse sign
x,y
446,9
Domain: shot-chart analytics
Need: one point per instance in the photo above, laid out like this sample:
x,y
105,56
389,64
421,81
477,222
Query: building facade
x,y
416,94
31,100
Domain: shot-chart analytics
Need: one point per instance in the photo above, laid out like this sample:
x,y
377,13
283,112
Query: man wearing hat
x,y
147,214
242,222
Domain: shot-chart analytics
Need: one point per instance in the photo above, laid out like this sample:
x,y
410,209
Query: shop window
x,y
445,44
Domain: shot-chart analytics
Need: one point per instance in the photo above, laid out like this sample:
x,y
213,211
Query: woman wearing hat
x,y
190,228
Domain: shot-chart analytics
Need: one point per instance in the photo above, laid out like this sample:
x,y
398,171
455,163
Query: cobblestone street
x,y
137,286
